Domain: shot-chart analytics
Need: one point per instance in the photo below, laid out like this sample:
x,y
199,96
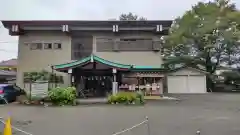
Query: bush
x,y
42,76
62,96
140,97
126,98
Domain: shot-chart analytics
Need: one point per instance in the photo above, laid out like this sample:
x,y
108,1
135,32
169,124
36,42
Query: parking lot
x,y
212,114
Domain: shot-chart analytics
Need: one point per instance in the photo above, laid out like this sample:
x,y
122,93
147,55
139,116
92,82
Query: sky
x,y
83,10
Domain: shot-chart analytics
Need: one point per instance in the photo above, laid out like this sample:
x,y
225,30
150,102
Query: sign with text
x,y
39,89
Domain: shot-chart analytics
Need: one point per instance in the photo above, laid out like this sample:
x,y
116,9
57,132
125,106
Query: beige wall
x,y
133,58
145,58
37,60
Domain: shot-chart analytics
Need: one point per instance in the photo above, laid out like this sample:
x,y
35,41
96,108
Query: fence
x,y
144,123
37,89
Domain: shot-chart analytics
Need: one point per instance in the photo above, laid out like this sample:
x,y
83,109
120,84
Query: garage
x,y
187,80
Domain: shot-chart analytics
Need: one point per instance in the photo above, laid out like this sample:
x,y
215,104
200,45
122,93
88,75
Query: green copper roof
x,y
71,64
94,58
111,63
90,58
145,67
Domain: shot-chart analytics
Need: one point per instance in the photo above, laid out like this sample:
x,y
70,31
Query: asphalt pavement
x,y
211,114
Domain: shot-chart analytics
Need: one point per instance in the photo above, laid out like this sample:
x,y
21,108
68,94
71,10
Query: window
x,y
135,39
104,44
128,39
135,44
77,50
104,39
47,45
57,46
8,89
36,46
78,47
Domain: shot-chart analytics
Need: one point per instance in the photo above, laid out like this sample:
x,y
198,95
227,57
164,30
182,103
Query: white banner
x,y
39,89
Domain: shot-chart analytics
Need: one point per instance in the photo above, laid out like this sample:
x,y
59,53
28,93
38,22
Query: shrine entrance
x,y
93,76
96,77
93,83
96,86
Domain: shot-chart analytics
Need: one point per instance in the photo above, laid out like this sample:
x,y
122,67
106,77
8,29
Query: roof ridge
x,y
111,61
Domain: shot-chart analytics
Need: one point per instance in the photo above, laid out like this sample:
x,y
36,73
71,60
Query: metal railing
x,y
144,122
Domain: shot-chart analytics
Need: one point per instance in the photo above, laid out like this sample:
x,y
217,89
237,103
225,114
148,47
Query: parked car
x,y
10,92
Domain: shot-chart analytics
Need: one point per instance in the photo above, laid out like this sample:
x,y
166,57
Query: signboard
x,y
70,71
154,86
39,89
144,74
114,70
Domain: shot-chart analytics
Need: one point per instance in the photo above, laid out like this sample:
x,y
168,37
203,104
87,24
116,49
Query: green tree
x,y
130,17
231,77
205,37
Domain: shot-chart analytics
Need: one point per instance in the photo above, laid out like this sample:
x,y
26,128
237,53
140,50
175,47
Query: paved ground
x,y
212,114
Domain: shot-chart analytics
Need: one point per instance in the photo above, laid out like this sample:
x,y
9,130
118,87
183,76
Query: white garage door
x,y
197,84
186,84
177,84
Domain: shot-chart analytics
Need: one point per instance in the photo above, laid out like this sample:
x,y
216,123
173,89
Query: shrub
x,y
126,98
140,97
42,76
62,96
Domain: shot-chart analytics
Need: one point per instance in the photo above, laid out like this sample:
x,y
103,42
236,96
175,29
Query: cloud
x,y
84,10
90,10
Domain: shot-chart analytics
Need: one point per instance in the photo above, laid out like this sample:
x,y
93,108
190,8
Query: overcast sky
x,y
83,10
